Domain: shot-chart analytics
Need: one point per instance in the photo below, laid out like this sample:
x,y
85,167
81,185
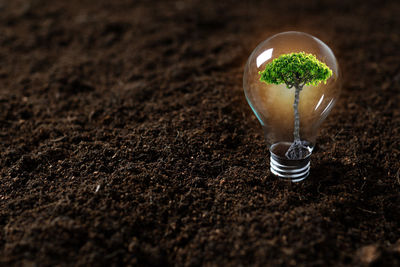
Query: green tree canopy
x,y
296,69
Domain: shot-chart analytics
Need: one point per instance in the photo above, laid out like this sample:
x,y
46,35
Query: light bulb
x,y
291,82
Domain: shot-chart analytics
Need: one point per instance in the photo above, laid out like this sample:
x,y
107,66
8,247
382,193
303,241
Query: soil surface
x,y
125,137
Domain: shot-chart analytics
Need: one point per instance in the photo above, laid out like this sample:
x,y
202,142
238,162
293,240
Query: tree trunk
x,y
297,149
296,132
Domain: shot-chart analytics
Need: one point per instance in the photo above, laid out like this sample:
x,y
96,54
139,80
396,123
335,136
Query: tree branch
x,y
307,78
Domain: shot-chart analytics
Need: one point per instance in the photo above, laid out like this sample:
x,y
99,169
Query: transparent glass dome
x,y
273,104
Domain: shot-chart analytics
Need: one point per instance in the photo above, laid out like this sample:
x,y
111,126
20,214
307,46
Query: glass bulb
x,y
291,129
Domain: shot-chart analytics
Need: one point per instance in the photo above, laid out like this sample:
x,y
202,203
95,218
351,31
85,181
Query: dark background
x,y
125,136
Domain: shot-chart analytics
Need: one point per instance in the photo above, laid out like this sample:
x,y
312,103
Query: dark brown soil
x,y
125,137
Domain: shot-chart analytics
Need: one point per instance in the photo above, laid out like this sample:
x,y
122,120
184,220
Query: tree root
x,y
297,150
